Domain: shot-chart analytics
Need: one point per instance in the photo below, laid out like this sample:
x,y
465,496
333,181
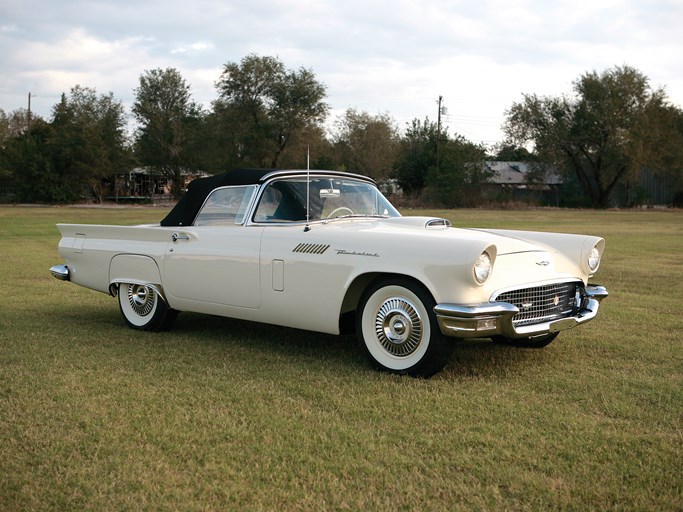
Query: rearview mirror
x,y
329,192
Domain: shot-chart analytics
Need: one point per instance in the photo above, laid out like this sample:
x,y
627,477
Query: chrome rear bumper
x,y
496,318
60,272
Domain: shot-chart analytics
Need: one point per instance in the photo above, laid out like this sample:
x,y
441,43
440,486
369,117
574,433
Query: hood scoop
x,y
438,224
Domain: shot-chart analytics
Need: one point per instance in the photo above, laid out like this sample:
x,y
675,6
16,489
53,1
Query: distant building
x,y
522,181
143,184
540,183
648,188
390,187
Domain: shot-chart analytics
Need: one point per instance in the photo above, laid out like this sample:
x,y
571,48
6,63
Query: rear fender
x,y
134,269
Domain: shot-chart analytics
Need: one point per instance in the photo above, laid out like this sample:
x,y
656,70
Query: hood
x,y
441,228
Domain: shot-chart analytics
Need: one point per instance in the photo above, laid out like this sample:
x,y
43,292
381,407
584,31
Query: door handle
x,y
175,237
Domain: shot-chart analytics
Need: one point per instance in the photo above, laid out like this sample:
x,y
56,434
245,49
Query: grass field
x,y
227,415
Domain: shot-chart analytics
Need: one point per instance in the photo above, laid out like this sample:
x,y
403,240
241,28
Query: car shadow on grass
x,y
300,345
484,358
477,357
471,358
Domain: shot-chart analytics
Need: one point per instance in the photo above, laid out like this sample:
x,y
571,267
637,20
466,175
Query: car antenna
x,y
308,186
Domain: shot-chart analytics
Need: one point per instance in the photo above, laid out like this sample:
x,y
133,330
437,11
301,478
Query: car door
x,y
217,259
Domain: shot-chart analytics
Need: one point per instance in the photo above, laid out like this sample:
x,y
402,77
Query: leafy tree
x,y
614,125
367,144
221,140
457,181
507,152
29,158
89,142
4,128
266,107
416,155
298,106
461,173
170,122
14,124
59,161
11,126
309,144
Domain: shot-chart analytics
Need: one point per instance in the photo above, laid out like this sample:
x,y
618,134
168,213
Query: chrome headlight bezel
x,y
483,265
593,259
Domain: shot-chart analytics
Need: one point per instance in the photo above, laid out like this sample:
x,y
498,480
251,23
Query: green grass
x,y
220,414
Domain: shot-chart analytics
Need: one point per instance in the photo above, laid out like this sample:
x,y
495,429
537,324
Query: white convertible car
x,y
325,251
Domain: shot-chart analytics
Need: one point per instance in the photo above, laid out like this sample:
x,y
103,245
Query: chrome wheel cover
x,y
398,327
141,299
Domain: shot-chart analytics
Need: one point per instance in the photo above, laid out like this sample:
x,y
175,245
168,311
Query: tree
x,y
457,181
416,155
59,161
14,124
267,106
309,147
28,162
614,125
89,141
367,144
167,139
507,152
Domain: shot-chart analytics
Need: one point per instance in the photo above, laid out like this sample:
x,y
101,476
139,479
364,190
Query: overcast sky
x,y
392,57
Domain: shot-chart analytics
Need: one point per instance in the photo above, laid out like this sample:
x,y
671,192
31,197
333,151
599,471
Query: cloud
x,y
193,48
379,56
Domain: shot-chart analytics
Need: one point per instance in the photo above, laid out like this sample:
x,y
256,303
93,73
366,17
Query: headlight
x,y
594,259
482,267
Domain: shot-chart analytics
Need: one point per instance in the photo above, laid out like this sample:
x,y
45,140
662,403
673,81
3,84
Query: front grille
x,y
541,303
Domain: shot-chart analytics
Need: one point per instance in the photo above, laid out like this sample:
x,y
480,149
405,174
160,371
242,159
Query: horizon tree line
x,y
599,136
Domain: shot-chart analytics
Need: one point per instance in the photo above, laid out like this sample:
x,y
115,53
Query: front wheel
x,y
142,308
398,330
533,342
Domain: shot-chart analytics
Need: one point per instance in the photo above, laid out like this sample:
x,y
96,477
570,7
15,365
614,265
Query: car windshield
x,y
328,198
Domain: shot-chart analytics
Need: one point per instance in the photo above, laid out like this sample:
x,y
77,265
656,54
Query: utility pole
x,y
28,116
438,133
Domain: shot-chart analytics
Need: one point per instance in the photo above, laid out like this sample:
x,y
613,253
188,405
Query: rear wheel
x,y
533,342
142,308
398,330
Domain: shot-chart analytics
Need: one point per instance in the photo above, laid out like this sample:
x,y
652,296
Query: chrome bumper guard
x,y
60,272
495,318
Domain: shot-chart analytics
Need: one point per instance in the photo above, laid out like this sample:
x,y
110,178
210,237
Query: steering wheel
x,y
341,208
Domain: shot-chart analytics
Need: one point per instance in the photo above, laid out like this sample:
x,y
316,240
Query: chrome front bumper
x,y
60,272
496,318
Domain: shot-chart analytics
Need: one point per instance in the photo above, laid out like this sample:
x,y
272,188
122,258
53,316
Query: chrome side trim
x,y
495,318
60,272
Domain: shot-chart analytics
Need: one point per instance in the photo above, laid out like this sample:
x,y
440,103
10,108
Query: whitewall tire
x,y
397,328
142,308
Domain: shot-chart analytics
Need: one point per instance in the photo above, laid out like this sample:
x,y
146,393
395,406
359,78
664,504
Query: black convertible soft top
x,y
185,211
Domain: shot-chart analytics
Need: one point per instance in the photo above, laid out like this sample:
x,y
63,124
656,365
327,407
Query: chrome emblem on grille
x,y
556,300
527,305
